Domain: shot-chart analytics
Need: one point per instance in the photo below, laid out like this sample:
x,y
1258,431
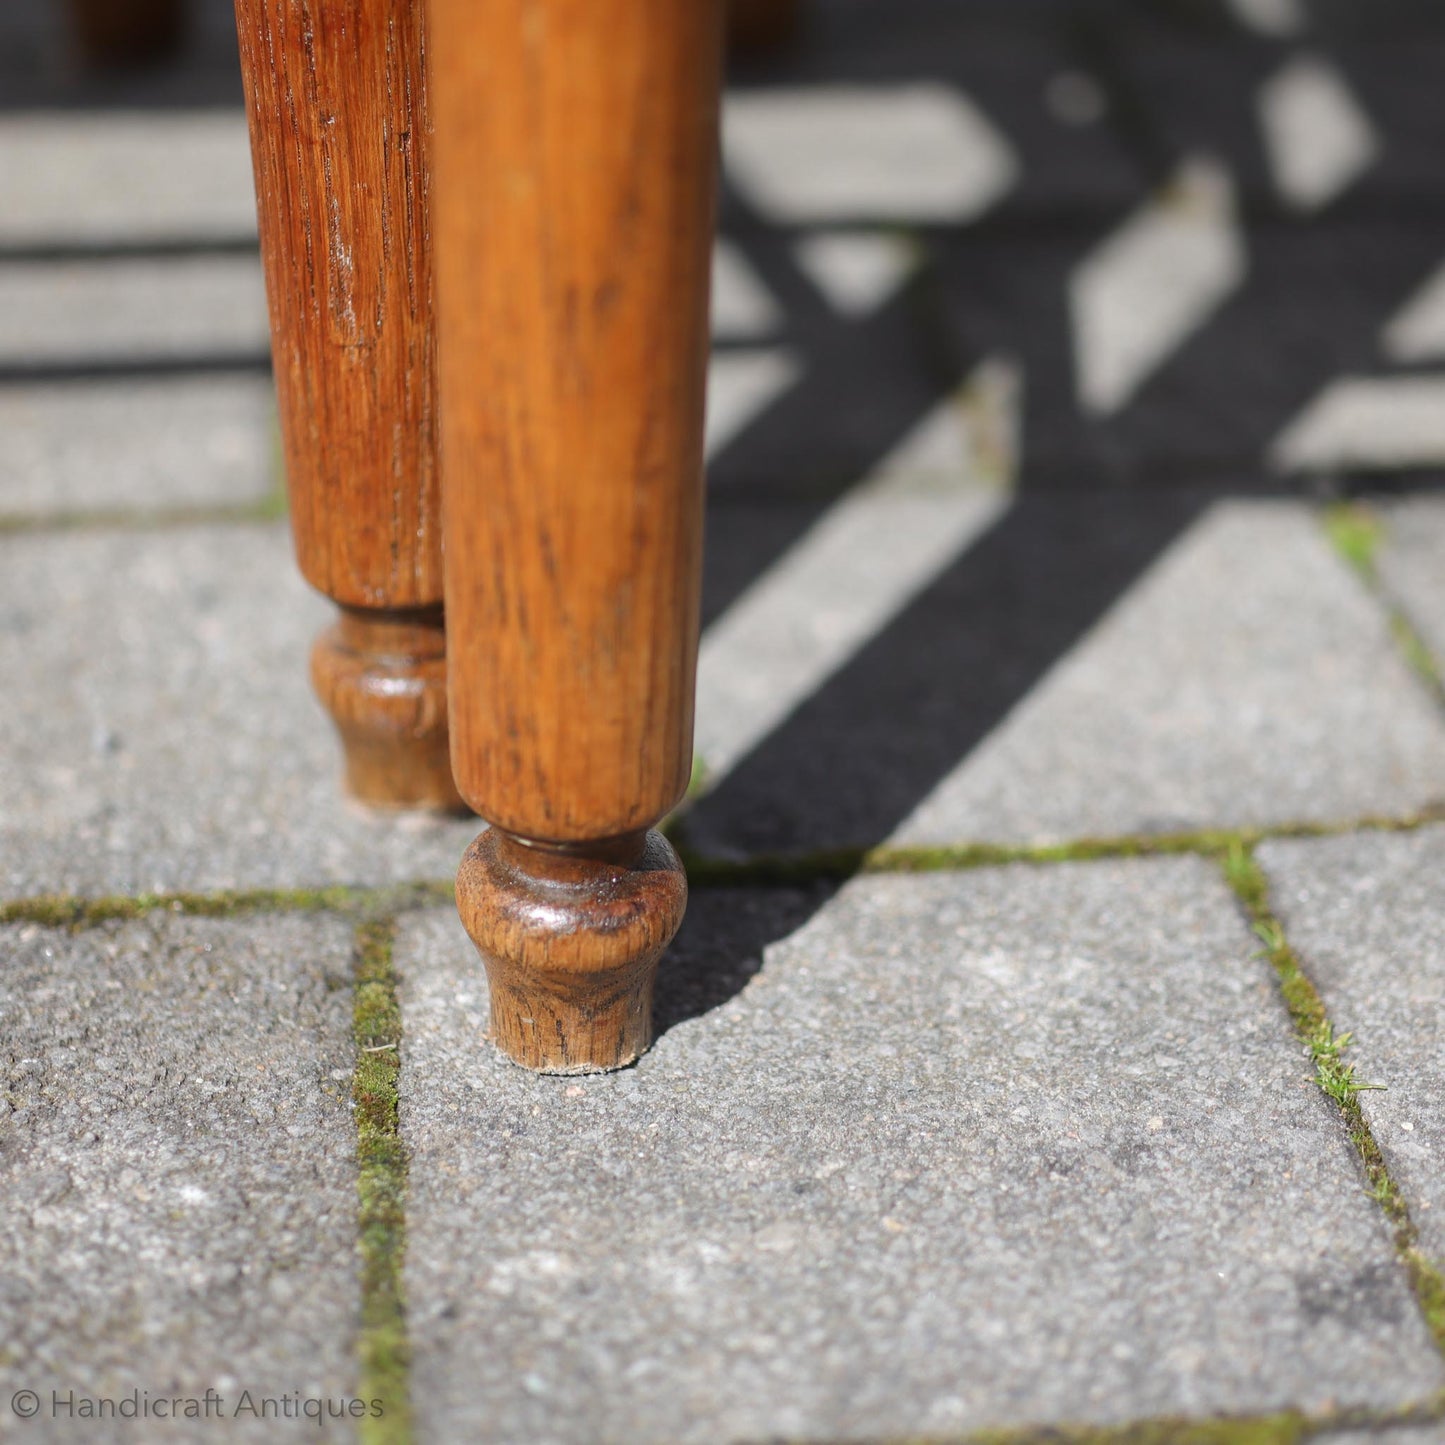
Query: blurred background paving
x,y
1075,438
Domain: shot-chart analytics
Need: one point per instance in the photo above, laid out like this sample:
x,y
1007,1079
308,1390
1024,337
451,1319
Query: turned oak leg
x,y
336,102
575,166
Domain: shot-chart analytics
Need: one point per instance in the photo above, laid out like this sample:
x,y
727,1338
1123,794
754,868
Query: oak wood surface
x,y
336,103
578,998
382,677
575,170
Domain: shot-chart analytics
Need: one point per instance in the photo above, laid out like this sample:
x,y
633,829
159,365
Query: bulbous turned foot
x,y
571,937
382,677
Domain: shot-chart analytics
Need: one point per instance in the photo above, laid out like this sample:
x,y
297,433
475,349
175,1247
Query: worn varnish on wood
x,y
336,101
574,170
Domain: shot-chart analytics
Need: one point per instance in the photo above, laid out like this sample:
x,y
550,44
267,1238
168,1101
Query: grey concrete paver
x,y
1365,912
129,177
138,446
177,1160
1431,1434
159,731
1245,679
1409,563
972,1149
82,312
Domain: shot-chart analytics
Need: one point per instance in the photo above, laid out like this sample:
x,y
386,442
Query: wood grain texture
x,y
574,168
336,102
382,677
575,998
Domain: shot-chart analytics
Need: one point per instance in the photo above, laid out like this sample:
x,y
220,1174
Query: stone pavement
x,y
1052,1048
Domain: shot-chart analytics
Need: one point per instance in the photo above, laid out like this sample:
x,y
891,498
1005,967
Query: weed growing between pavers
x,y
1336,1078
381,1185
1356,533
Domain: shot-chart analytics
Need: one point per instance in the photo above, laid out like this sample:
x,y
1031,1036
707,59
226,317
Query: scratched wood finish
x,y
336,102
575,170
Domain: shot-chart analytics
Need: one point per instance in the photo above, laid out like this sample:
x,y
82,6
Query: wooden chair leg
x,y
336,102
574,178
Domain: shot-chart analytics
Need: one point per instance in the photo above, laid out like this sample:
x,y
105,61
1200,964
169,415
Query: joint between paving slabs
x,y
76,912
1285,1427
384,1349
1357,533
270,508
1336,1078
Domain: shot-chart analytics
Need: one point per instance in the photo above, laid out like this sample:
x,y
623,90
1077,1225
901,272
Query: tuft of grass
x,y
384,1348
1336,1079
1356,534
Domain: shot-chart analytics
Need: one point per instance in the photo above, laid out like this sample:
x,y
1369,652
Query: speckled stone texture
x,y
159,731
973,1149
176,1159
1409,563
1245,679
137,447
1365,913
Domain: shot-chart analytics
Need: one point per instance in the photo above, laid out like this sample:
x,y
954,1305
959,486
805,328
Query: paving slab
x,y
178,1168
1432,1434
988,1148
857,564
159,731
81,313
1195,89
1409,563
1365,913
137,446
1245,679
1282,311
134,177
1088,666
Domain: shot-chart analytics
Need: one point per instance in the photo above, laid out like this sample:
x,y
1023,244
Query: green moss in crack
x,y
381,1185
67,911
1336,1078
